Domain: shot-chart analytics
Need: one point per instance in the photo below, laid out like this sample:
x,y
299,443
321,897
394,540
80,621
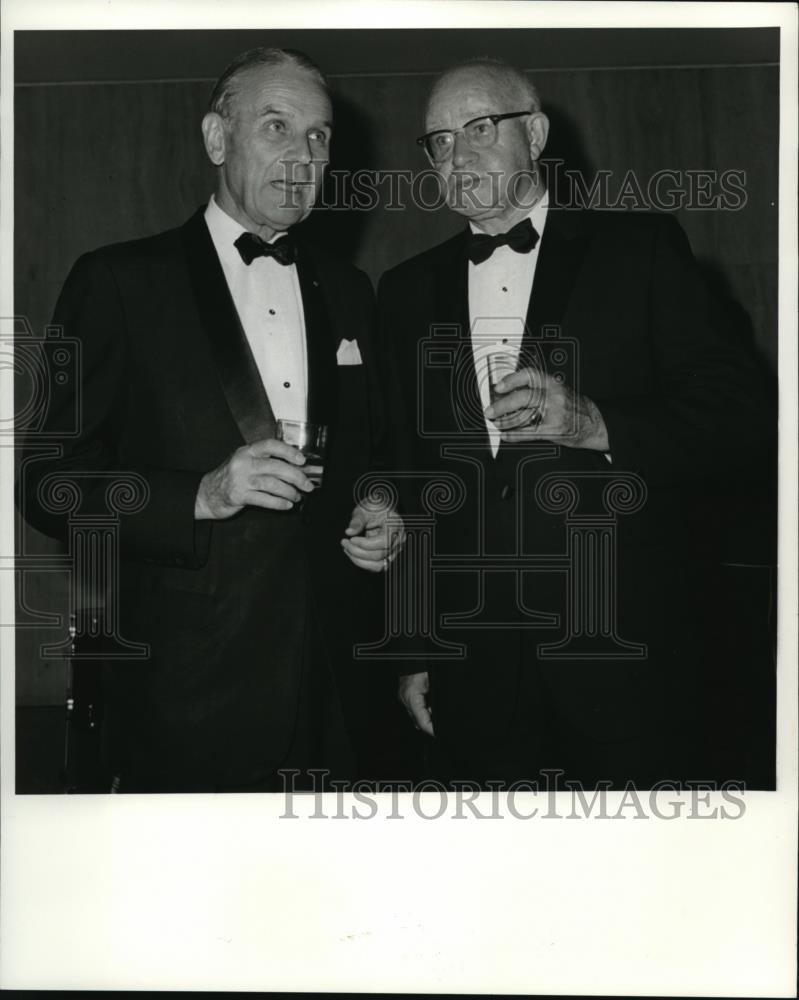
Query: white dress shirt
x,y
499,297
267,298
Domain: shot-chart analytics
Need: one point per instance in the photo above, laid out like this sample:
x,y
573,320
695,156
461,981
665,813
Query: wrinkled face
x,y
487,185
273,149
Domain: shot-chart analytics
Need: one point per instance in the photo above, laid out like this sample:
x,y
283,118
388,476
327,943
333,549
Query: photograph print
x,y
395,407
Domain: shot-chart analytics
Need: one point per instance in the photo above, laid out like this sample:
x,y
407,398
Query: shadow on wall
x,y
747,506
737,322
341,231
565,149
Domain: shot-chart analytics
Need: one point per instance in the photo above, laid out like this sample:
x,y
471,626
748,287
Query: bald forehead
x,y
479,86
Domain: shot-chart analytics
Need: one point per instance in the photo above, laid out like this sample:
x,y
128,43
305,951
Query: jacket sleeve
x,y
91,312
709,410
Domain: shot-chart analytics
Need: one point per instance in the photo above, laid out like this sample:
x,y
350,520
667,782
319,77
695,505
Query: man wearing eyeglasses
x,y
537,354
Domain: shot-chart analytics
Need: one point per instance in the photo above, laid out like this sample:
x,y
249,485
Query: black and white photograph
x,y
399,426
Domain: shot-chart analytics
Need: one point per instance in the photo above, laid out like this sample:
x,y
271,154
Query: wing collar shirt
x,y
267,298
499,298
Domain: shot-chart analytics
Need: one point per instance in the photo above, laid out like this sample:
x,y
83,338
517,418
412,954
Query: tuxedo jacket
x,y
619,311
169,390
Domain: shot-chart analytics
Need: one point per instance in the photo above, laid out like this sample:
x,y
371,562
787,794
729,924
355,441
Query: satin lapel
x,y
235,365
561,255
321,346
457,406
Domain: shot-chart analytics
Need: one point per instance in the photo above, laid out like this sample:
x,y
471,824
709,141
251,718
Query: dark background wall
x,y
108,148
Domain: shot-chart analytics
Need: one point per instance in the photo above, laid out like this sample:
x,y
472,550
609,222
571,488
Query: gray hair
x,y
502,74
226,87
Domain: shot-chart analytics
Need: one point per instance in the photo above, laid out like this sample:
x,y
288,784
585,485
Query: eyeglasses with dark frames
x,y
480,133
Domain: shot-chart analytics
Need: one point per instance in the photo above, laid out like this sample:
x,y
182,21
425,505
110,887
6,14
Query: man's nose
x,y
298,169
462,152
303,151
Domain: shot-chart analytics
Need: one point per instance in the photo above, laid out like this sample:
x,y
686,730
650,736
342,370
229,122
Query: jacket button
x,y
506,492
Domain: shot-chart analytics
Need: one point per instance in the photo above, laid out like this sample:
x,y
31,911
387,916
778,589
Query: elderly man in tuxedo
x,y
240,574
644,385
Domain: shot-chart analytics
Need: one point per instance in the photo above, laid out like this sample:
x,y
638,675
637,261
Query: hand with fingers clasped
x,y
265,474
374,536
535,406
412,692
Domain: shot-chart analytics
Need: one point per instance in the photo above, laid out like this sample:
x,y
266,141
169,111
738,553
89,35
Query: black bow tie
x,y
522,238
251,246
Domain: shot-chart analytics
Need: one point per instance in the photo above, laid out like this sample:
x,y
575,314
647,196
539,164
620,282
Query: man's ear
x,y
214,138
537,130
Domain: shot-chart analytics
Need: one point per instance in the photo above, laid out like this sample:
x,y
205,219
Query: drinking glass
x,y
311,440
499,364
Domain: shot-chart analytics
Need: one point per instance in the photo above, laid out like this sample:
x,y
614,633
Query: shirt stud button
x,y
287,385
271,312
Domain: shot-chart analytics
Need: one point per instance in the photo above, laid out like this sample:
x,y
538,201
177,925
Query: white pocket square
x,y
348,353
